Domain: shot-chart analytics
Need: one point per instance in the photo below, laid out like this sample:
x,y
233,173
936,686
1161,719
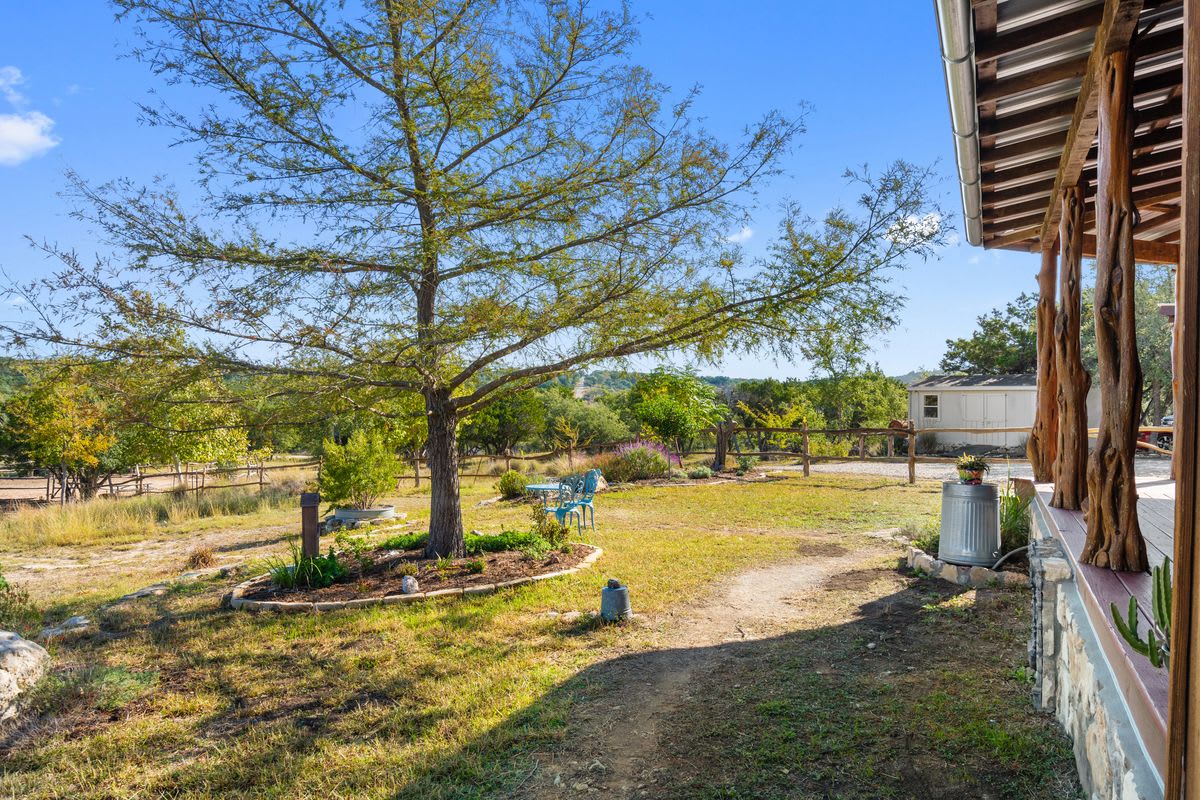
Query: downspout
x,y
956,33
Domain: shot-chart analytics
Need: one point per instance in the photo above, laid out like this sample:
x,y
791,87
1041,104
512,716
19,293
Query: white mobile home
x,y
974,401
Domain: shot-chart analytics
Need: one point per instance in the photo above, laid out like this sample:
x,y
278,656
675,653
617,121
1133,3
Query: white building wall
x,y
976,408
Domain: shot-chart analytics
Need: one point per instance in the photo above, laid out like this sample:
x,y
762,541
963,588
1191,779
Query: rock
x,y
157,590
981,576
601,483
871,645
409,585
22,663
571,616
1056,570
71,627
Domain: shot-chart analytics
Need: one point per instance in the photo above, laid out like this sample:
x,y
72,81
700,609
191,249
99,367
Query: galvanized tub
x,y
970,524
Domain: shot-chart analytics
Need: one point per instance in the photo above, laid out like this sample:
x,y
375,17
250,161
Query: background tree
x,y
457,200
501,425
1005,342
674,407
596,422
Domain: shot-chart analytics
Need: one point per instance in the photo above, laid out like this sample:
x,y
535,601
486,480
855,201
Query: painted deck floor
x,y
1143,686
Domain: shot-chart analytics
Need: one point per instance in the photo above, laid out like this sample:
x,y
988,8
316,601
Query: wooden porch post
x,y
1070,469
1183,699
1042,448
1114,538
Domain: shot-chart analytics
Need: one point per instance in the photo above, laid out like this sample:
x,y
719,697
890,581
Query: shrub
x,y
635,462
511,485
299,571
678,474
476,567
17,611
1015,520
745,464
356,547
501,542
928,536
200,558
357,474
406,568
548,528
700,473
404,541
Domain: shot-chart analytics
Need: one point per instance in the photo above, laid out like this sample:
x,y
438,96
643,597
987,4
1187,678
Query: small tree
x,y
675,406
357,474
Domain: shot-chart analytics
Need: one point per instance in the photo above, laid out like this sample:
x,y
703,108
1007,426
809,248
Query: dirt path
x,y
614,744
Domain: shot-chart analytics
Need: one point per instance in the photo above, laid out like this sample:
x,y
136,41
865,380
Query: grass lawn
x,y
460,699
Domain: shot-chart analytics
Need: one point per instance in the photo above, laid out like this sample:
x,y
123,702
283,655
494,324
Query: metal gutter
x,y
956,33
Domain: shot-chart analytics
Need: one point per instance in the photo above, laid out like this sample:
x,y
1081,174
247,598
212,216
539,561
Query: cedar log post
x,y
1070,469
1114,538
1183,697
1042,447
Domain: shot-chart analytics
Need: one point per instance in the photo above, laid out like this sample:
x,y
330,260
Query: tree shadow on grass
x,y
931,710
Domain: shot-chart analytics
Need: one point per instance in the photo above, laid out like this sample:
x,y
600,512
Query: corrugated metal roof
x,y
975,382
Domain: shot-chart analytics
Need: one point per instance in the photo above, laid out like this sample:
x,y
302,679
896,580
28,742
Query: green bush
x,y
404,541
357,474
700,473
745,464
1015,520
476,567
310,573
511,485
637,463
927,537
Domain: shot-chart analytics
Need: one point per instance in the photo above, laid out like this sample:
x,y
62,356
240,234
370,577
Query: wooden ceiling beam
x,y
1144,251
1036,169
1114,33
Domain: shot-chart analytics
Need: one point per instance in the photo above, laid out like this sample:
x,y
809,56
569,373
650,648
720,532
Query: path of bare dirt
x,y
615,747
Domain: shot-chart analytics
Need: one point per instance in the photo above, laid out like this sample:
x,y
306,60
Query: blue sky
x,y
869,71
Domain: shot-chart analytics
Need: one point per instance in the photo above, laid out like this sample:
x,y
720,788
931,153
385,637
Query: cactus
x,y
1157,644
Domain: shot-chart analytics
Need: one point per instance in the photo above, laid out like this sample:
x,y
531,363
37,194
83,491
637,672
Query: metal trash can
x,y
970,524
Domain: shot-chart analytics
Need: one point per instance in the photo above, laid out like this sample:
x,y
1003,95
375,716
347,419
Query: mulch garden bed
x,y
383,576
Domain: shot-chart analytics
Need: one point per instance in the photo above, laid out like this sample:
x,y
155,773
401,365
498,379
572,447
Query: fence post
x,y
262,475
722,446
417,471
891,442
804,447
912,452
862,447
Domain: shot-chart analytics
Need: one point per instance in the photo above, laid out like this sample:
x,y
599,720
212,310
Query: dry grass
x,y
442,699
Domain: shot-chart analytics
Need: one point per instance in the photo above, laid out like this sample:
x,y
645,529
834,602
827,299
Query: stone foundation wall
x,y
1072,680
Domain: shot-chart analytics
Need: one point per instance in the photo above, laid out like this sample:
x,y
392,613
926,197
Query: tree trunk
x,y
445,512
1042,447
1114,538
1070,468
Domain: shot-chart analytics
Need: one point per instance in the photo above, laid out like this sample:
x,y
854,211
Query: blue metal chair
x,y
587,491
567,507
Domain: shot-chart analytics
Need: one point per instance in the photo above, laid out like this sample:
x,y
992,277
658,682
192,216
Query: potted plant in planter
x,y
355,475
971,469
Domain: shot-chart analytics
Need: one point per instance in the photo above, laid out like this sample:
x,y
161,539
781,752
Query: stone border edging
x,y
975,577
237,601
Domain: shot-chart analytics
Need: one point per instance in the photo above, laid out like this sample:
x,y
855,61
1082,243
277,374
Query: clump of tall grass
x,y
105,520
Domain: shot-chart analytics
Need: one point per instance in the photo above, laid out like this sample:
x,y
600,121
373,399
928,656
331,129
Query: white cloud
x,y
953,239
973,260
10,79
741,236
23,136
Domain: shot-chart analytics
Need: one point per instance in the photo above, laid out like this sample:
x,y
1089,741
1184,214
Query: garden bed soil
x,y
382,578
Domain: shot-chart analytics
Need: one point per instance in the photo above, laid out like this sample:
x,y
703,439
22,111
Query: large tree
x,y
1005,343
458,200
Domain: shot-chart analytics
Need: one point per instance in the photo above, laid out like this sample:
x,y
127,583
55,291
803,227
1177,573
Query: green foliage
x,y
475,566
971,463
700,473
358,548
404,541
1015,519
1004,344
674,406
511,485
302,572
505,422
927,536
591,422
357,474
635,464
548,528
1157,644
745,464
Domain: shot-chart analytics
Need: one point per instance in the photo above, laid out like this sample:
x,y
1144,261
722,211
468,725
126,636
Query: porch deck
x,y
1143,686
